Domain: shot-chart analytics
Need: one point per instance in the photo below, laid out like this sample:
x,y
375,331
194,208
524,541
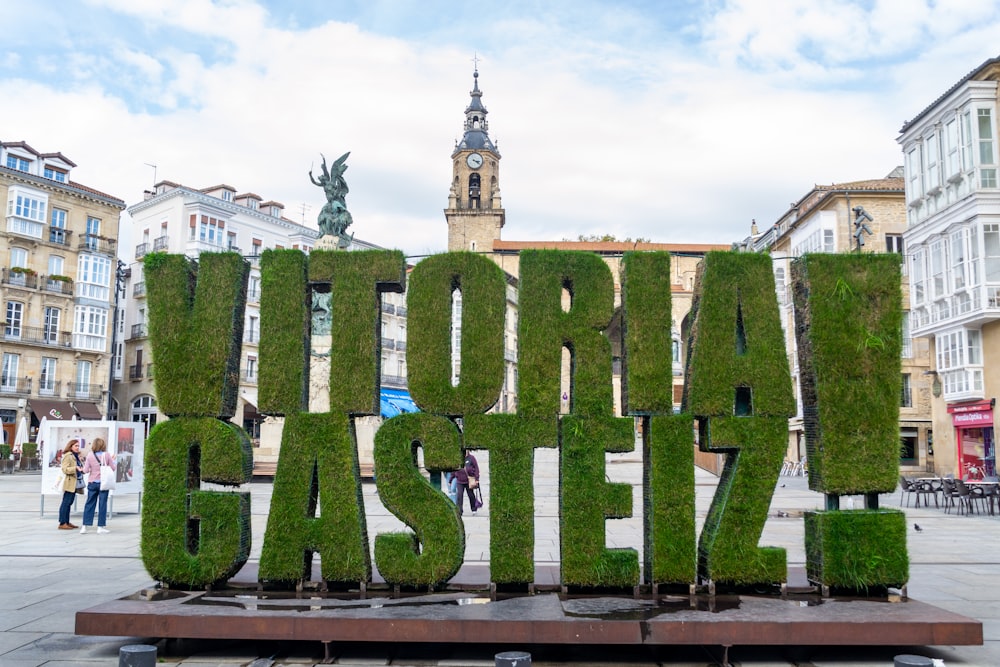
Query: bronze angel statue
x,y
334,218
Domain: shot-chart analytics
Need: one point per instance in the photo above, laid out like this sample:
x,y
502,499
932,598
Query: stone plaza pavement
x,y
47,575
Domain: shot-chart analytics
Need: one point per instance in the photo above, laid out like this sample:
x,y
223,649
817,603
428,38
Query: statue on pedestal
x,y
334,218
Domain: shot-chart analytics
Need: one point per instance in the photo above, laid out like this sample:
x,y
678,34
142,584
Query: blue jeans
x,y
67,503
94,494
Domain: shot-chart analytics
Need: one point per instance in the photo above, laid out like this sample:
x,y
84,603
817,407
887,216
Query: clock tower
x,y
474,212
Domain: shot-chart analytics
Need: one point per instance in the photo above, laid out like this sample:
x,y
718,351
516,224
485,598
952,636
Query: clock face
x,y
475,160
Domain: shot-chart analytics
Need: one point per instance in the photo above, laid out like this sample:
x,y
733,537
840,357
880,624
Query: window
x,y
251,368
94,277
55,174
255,247
227,195
931,182
93,231
966,150
15,315
914,169
90,328
917,277
987,173
991,245
252,334
894,243
907,342
26,212
51,330
144,411
57,226
958,260
19,163
8,375
906,399
83,370
938,262
56,264
779,285
210,230
953,165
959,363
47,379
19,258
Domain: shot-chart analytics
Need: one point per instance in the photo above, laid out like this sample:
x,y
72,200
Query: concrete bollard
x,y
912,661
137,655
513,659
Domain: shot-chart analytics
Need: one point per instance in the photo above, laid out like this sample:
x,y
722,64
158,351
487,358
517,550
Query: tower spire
x,y
476,129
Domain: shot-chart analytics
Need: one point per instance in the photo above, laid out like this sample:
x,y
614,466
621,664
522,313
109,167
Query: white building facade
x,y
953,241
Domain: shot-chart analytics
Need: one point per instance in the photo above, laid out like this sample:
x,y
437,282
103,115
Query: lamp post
x,y
119,288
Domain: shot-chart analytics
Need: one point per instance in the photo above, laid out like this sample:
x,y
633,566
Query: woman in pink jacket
x,y
97,455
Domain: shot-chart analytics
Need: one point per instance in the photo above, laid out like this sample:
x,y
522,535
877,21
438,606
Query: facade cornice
x,y
71,188
196,197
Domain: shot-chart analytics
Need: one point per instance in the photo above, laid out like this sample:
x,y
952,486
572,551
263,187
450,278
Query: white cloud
x,y
626,123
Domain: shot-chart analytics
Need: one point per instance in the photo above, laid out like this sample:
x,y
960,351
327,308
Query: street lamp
x,y
119,291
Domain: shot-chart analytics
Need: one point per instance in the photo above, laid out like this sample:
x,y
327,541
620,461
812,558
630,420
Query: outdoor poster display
x,y
124,440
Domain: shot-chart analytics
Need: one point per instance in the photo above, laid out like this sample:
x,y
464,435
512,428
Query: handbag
x,y
108,481
473,483
80,484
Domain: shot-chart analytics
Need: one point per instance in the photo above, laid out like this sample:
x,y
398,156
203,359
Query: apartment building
x,y
858,216
953,243
57,248
178,219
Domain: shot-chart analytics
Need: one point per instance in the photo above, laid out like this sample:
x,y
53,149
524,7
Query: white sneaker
x,y
101,530
83,530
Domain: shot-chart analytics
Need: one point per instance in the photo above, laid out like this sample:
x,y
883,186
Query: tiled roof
x,y
819,193
115,200
607,246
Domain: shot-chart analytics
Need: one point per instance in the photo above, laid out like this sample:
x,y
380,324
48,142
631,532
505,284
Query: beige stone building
x,y
953,243
58,251
824,220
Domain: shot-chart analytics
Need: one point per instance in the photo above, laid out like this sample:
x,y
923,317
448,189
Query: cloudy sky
x,y
675,121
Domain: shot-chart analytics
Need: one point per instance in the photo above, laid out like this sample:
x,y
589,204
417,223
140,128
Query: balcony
x,y
401,346
59,236
15,386
49,388
161,243
395,381
138,331
248,376
38,336
135,372
141,250
253,296
388,344
139,289
98,244
388,308
16,277
252,336
60,285
83,391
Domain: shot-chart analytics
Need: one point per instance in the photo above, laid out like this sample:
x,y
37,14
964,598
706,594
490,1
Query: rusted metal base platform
x,y
546,618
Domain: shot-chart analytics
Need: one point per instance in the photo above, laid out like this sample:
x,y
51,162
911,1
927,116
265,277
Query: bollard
x,y
912,661
513,659
137,655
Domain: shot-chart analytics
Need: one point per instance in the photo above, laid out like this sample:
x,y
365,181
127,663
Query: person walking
x,y
468,481
96,457
72,469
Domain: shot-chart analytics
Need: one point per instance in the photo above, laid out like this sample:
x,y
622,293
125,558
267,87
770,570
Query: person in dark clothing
x,y
468,480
